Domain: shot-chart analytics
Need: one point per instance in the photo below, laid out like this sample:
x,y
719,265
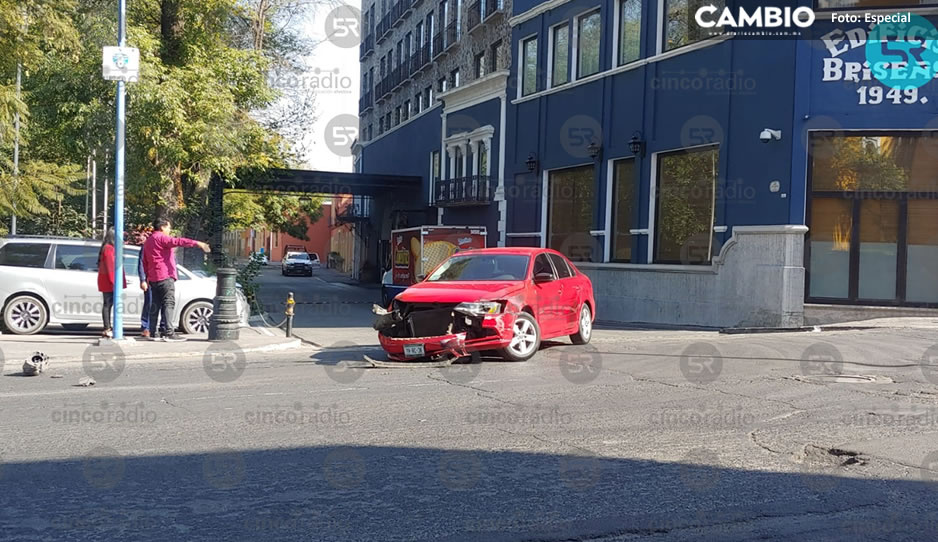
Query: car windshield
x,y
299,256
482,267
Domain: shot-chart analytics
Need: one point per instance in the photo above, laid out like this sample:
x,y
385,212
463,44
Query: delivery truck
x,y
417,251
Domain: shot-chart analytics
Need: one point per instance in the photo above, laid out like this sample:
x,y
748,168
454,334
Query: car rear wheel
x,y
585,330
25,315
196,318
526,339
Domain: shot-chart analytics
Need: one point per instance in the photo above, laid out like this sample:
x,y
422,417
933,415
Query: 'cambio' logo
x,y
760,17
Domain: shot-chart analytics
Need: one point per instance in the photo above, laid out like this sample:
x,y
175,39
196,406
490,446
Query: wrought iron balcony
x,y
367,46
356,210
365,102
464,191
475,14
492,7
438,44
452,36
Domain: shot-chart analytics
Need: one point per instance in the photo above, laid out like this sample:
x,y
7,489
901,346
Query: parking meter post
x,y
225,325
289,312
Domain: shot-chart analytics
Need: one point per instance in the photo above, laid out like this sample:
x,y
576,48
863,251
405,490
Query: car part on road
x,y
388,364
36,364
86,382
25,315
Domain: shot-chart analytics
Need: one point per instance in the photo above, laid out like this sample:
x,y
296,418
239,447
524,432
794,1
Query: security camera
x,y
769,134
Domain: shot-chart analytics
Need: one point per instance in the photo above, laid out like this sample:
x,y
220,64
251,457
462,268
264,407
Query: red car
x,y
501,299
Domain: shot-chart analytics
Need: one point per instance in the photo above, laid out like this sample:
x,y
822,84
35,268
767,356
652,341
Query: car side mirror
x,y
420,278
543,277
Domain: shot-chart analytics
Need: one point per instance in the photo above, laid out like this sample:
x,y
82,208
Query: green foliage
x,y
204,83
278,213
247,278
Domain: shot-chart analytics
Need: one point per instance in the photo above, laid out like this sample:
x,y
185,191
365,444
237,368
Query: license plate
x,y
413,350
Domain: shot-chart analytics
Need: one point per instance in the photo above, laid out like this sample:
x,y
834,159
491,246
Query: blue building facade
x,y
709,179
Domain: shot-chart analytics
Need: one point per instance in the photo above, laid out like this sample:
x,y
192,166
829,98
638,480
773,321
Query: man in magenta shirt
x,y
159,262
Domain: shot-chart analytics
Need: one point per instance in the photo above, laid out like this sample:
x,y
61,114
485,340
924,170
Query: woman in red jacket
x,y
106,279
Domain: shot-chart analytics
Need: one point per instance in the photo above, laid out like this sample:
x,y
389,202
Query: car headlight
x,y
480,308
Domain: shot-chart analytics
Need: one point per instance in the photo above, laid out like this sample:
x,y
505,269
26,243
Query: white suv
x,y
45,280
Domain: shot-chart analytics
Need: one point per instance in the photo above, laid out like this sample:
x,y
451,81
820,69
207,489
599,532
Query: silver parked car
x,y
47,280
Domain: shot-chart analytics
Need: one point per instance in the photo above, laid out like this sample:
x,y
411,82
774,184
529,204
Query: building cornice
x,y
485,88
535,11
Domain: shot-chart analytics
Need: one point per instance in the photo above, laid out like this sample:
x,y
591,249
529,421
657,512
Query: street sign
x,y
121,64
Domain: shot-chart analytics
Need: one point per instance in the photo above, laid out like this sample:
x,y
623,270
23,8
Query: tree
x,y
29,29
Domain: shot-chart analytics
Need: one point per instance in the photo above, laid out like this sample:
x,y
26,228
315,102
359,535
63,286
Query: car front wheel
x,y
585,329
25,315
196,318
525,341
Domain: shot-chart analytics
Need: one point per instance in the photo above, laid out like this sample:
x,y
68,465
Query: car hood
x,y
458,292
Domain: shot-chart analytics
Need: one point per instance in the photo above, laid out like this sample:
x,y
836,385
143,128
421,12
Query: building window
x,y
685,205
630,30
370,132
560,53
589,28
428,96
496,55
418,34
873,218
387,121
529,66
418,99
441,85
380,125
480,65
454,77
397,115
623,209
680,26
483,159
405,112
570,212
435,165
429,25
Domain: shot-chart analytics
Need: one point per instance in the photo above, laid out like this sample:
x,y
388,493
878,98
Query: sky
x,y
333,63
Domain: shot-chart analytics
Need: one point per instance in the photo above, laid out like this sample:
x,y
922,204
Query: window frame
x,y
522,64
662,29
575,61
612,185
617,35
552,52
654,210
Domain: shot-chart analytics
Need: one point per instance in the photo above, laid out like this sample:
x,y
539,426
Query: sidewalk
x,y
71,348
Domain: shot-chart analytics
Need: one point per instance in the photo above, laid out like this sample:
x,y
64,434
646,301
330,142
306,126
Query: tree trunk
x,y
171,25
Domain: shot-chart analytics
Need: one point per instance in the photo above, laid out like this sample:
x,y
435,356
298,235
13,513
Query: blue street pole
x,y
119,192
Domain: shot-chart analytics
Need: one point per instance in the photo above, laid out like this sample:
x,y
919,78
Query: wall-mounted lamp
x,y
637,144
593,149
531,162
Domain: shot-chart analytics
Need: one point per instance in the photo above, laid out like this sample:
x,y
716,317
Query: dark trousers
x,y
164,299
108,308
145,313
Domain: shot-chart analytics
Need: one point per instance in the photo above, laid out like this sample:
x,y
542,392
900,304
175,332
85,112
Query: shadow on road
x,y
413,493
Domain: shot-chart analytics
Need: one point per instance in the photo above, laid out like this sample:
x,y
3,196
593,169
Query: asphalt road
x,y
650,435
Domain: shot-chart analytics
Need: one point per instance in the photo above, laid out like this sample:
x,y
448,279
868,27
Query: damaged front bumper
x,y
408,334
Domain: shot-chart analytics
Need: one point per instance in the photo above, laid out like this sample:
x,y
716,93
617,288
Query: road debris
x,y
36,364
86,382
